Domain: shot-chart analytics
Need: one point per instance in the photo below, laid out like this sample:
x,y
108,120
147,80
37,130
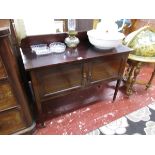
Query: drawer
x,y
7,98
2,70
10,122
103,69
58,79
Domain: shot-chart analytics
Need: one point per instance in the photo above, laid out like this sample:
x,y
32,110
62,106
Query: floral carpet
x,y
140,122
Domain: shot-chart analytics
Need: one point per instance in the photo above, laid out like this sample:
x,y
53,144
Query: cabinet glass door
x,y
103,69
59,79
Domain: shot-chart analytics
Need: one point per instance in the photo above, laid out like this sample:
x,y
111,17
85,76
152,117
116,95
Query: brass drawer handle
x,y
89,77
84,79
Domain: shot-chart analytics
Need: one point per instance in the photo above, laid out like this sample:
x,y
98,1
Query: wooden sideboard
x,y
55,75
15,115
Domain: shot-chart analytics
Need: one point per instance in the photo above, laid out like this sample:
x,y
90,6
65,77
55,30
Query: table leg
x,y
150,81
131,80
127,71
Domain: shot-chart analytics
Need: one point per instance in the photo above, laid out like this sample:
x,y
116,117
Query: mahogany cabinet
x,y
56,75
15,115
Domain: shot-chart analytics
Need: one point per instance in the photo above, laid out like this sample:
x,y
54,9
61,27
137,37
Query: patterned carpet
x,y
140,122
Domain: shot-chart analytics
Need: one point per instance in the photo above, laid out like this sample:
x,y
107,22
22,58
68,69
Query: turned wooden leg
x,y
150,81
135,70
116,88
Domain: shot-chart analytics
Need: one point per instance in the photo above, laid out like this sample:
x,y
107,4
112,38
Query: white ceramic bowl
x,y
105,40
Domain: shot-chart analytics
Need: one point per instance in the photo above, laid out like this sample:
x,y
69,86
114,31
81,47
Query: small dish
x,y
57,47
40,49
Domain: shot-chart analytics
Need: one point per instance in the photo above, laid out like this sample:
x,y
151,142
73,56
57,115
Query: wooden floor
x,y
102,112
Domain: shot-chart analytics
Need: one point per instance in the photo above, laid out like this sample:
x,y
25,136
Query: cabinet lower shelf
x,y
76,100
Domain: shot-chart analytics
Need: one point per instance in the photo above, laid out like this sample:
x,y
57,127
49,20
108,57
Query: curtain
x,y
20,29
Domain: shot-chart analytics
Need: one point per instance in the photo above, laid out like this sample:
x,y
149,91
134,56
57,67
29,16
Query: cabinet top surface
x,y
83,52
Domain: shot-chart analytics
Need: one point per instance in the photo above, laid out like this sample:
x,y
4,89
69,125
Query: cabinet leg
x,y
42,125
41,122
41,119
116,89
